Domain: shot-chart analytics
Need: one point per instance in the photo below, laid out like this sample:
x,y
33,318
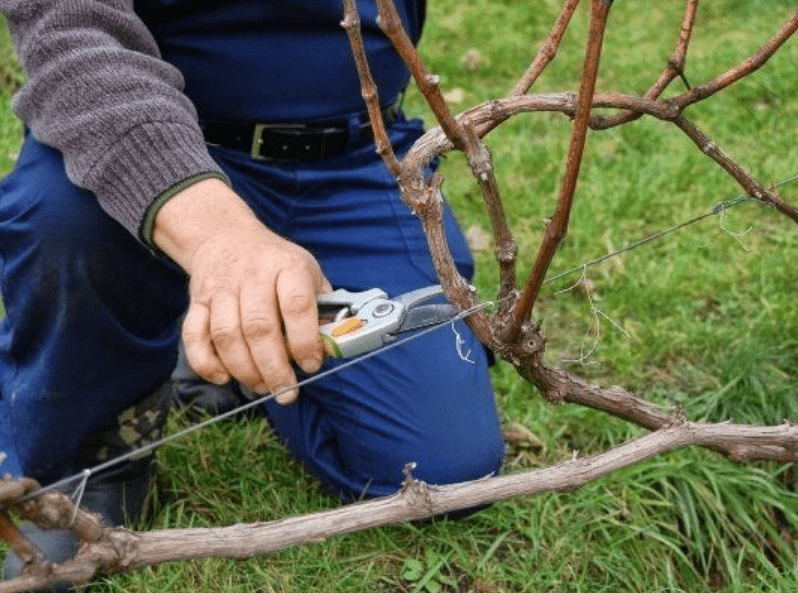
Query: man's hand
x,y
252,294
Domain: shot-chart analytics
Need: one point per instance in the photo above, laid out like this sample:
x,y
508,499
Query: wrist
x,y
146,228
195,214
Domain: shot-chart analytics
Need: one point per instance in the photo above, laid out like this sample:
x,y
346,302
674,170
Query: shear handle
x,y
345,303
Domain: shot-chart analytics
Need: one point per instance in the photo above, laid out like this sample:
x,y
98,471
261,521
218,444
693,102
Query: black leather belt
x,y
291,141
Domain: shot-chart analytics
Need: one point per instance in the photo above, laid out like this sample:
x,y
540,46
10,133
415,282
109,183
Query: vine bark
x,y
510,331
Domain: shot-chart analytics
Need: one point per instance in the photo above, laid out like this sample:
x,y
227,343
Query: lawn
x,y
703,319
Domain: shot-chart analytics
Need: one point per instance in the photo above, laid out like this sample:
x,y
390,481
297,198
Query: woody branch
x,y
524,347
462,137
113,550
485,117
109,551
674,69
558,226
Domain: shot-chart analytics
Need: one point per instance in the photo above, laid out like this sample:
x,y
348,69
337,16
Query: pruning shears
x,y
354,323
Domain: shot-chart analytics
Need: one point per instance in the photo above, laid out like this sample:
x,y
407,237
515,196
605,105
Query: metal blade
x,y
426,315
415,297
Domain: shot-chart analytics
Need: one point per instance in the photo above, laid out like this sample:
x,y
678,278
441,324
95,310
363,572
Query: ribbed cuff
x,y
149,161
148,222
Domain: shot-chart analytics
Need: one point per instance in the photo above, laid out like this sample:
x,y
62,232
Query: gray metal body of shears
x,y
354,323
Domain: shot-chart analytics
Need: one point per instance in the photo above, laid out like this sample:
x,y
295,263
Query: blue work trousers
x,y
91,324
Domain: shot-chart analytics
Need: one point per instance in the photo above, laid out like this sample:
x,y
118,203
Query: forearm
x,y
98,91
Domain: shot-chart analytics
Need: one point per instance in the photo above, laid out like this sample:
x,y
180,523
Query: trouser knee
x,y
419,404
91,315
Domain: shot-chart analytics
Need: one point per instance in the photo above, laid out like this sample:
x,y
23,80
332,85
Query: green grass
x,y
704,319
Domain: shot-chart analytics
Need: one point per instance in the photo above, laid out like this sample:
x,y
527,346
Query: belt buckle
x,y
257,142
258,132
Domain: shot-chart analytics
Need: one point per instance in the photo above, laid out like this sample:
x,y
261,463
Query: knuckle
x,y
299,259
257,327
225,335
191,335
298,304
205,366
202,288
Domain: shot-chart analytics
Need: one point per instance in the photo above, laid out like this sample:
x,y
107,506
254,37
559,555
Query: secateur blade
x,y
426,315
417,315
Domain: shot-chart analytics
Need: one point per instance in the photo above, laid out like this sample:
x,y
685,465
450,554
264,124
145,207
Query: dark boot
x,y
58,545
200,400
118,494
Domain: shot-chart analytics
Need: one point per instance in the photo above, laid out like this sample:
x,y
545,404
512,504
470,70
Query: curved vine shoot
x,y
510,331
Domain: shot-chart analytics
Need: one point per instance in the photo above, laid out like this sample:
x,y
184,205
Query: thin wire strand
x,y
140,452
77,496
150,447
719,209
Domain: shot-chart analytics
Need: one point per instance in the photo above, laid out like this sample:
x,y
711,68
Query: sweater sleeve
x,y
98,92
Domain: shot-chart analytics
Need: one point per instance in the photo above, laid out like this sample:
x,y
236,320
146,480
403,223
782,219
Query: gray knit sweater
x,y
98,91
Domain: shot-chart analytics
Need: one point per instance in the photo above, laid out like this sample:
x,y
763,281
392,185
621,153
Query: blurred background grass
x,y
704,319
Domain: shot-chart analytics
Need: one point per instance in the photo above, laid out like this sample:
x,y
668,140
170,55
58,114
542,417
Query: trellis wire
x,y
718,209
83,476
139,452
